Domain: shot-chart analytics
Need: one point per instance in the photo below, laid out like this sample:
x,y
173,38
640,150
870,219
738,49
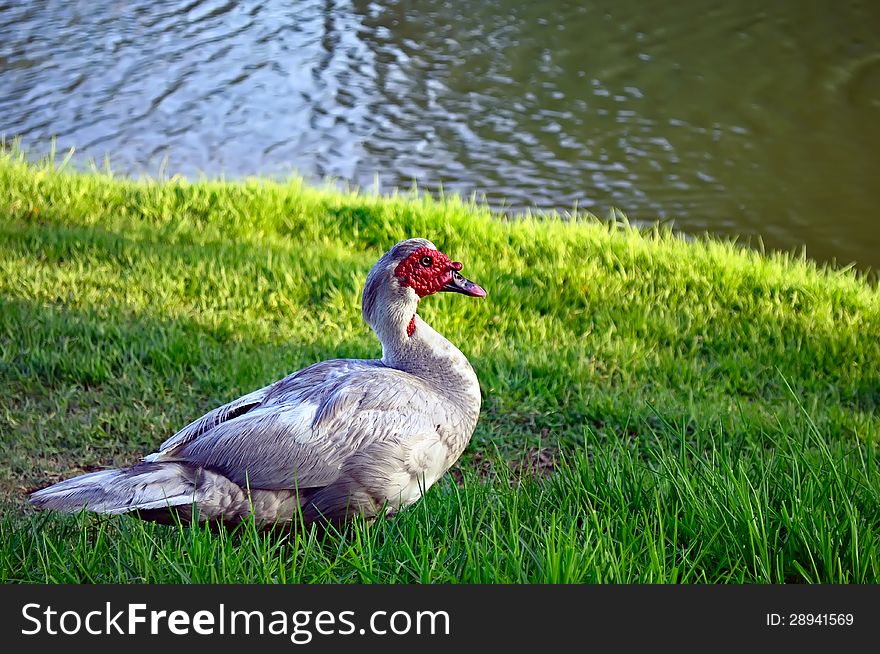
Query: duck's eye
x,y
426,261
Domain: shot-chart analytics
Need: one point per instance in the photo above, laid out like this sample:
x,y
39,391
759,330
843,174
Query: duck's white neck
x,y
412,345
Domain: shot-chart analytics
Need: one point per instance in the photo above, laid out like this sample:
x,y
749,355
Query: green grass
x,y
714,409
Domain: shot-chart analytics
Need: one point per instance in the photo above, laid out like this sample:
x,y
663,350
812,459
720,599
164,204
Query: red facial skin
x,y
425,280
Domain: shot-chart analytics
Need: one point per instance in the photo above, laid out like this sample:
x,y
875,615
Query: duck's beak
x,y
459,284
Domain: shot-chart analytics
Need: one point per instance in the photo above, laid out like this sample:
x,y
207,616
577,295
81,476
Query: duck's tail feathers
x,y
143,487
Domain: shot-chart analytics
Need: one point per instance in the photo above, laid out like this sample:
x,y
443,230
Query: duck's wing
x,y
297,440
290,390
211,420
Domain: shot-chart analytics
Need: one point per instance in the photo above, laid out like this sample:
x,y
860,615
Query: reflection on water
x,y
738,118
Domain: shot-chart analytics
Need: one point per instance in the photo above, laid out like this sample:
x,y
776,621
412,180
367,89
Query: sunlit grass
x,y
715,409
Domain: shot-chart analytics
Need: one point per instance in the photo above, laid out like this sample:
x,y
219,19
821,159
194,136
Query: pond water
x,y
750,117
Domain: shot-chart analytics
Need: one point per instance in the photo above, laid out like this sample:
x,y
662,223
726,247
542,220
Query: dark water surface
x,y
746,117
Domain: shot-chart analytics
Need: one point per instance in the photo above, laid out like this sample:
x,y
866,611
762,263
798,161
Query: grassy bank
x,y
712,411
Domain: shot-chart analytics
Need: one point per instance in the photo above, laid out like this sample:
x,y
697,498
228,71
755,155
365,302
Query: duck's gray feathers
x,y
300,432
296,385
213,418
145,486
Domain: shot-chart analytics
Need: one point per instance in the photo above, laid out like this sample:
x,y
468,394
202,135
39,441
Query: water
x,y
747,117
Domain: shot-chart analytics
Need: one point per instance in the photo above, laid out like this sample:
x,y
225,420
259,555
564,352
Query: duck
x,y
337,439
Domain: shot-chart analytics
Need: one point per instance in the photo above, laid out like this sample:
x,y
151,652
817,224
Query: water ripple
x,y
739,117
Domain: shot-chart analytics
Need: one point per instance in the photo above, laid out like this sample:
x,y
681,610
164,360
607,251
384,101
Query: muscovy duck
x,y
335,439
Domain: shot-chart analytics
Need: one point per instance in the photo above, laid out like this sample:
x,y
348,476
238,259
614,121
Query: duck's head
x,y
409,271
